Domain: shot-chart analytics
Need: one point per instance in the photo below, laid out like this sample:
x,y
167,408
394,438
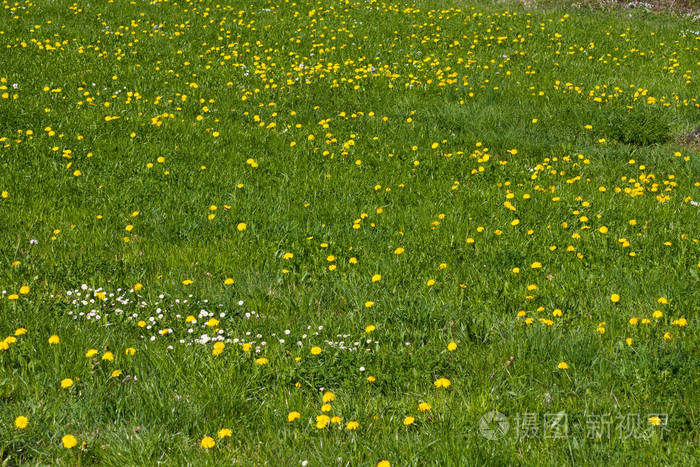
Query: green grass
x,y
477,137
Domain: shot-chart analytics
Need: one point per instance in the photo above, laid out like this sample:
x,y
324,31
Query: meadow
x,y
354,232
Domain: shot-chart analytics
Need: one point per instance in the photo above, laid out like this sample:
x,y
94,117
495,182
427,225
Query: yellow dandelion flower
x,y
442,383
218,348
207,442
69,441
322,421
21,422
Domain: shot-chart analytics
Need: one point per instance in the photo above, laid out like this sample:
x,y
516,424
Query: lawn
x,y
352,232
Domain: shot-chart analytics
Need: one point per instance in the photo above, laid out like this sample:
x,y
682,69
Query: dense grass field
x,y
348,232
